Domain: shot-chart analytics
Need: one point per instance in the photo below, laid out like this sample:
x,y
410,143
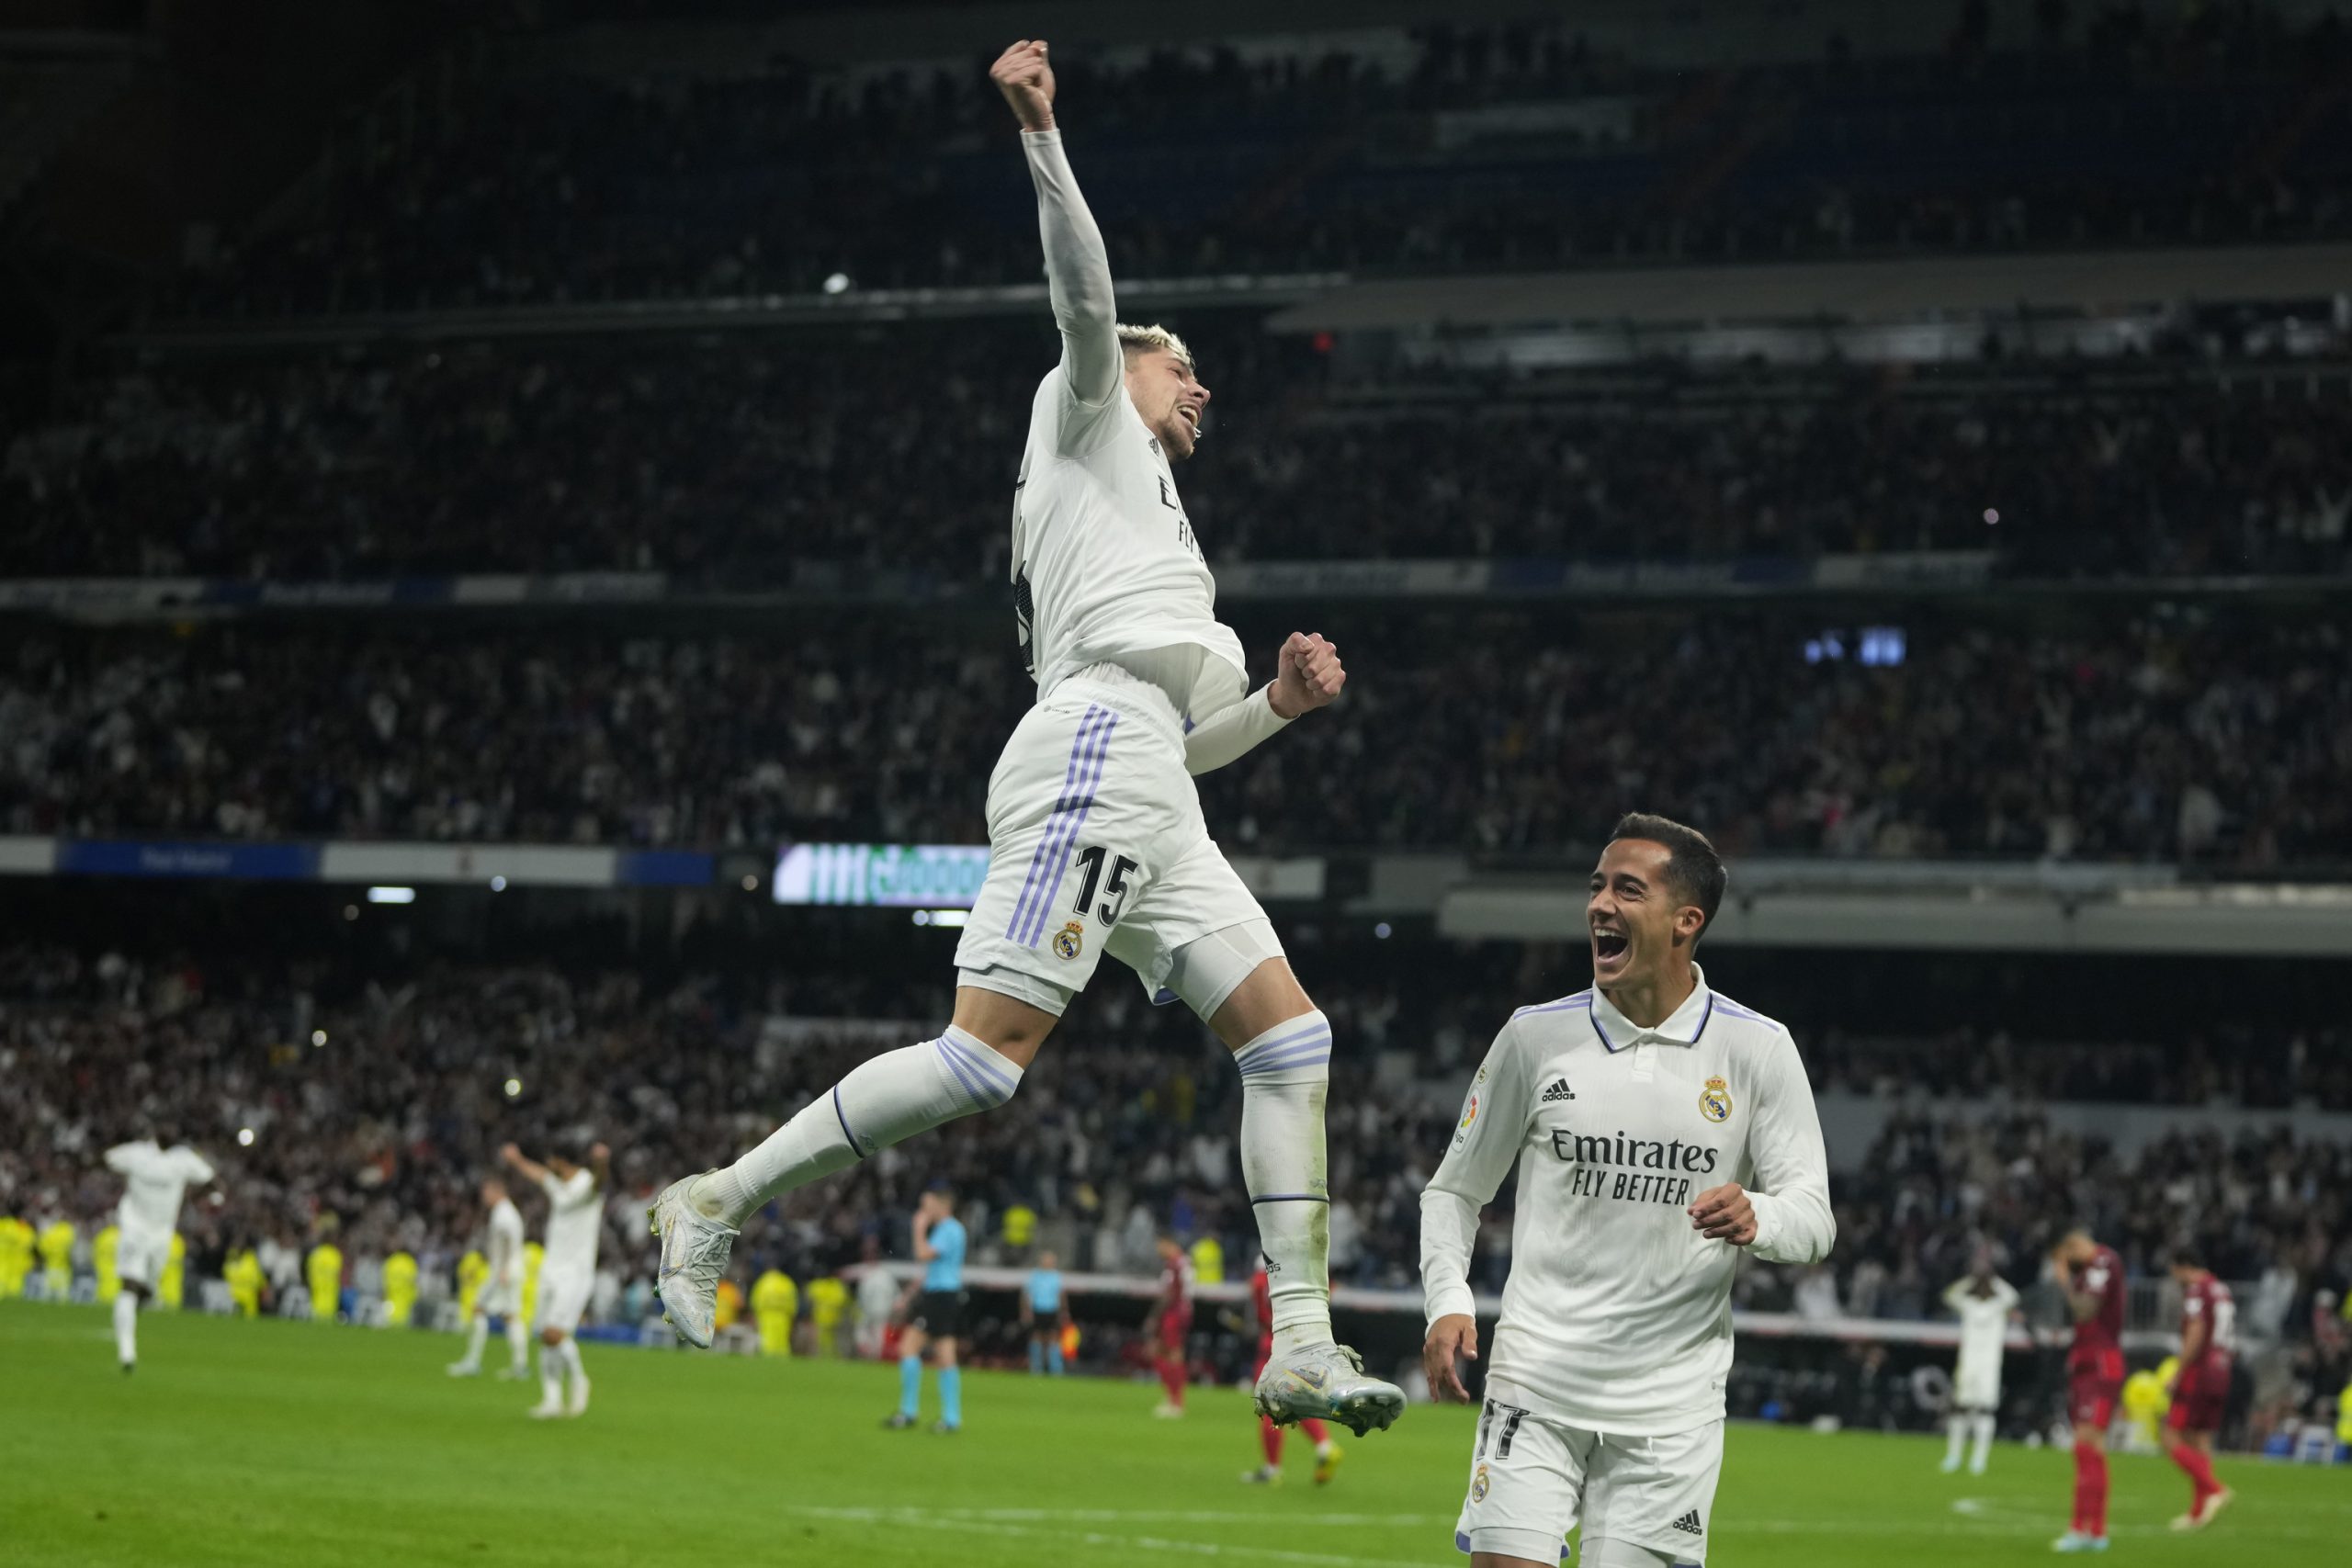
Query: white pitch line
x,y
1144,1516
920,1519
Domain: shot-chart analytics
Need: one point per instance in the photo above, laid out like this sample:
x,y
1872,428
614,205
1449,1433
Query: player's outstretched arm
x,y
1308,675
529,1170
1078,268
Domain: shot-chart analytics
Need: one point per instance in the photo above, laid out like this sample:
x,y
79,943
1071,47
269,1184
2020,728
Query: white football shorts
x,y
564,1298
140,1257
1533,1479
1976,1385
1096,845
501,1301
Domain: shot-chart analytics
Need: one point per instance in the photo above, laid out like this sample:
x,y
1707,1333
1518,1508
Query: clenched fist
x,y
1021,74
1309,675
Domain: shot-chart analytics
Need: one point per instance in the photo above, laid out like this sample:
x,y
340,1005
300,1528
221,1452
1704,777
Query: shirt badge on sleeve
x,y
1714,1100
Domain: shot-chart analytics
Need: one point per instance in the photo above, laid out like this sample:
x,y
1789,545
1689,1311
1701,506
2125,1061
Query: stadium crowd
x,y
733,467
2205,740
1396,153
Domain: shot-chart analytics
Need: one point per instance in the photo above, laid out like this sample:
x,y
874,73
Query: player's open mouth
x,y
1191,415
1609,947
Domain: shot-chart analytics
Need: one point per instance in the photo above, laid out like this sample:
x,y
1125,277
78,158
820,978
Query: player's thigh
x,y
1527,1485
1083,808
140,1260
562,1299
1654,1495
1198,935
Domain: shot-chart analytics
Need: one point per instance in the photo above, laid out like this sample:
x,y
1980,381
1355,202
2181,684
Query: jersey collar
x,y
1683,1027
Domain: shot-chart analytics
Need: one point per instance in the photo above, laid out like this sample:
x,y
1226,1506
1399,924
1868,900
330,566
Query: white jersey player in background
x,y
155,1181
1984,1302
1096,839
567,1269
1659,1127
500,1295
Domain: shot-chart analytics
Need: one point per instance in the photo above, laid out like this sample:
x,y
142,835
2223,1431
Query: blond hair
x,y
1143,340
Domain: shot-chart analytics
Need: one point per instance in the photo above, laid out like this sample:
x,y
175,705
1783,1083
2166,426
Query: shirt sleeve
x,y
123,1159
1789,1165
1952,1292
1486,1142
1078,278
198,1169
1232,732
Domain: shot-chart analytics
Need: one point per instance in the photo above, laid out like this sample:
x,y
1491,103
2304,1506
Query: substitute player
x,y
1984,1302
568,1273
2201,1392
155,1181
1169,1328
2092,1277
1327,1453
1659,1127
500,1295
934,1315
1095,835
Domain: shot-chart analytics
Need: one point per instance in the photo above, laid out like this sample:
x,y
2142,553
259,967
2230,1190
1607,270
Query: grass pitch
x,y
273,1442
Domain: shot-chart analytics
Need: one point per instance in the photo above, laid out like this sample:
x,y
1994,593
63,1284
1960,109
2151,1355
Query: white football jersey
x,y
506,1252
1105,568
1617,1313
1984,1321
575,1217
154,1181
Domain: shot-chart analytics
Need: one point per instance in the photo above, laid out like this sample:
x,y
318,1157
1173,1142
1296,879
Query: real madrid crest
x,y
1478,1485
1714,1100
1071,941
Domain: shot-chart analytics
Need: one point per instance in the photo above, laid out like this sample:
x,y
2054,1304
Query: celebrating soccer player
x,y
1096,839
2092,1277
502,1290
2201,1392
1657,1126
1984,1302
936,1318
568,1272
155,1179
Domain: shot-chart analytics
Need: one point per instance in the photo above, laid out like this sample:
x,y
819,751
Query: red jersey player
x,y
1170,1323
2202,1388
1327,1452
2092,1277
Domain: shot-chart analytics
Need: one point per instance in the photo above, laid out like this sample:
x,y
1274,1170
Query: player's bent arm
x,y
122,1157
1233,732
1793,1221
1078,273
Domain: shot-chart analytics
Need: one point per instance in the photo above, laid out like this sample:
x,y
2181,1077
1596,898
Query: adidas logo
x,y
1559,1091
1690,1524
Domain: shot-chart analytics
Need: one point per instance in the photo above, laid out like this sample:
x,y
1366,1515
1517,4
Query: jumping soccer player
x,y
568,1273
1327,1453
1984,1302
1169,1327
2201,1392
1096,839
155,1181
2092,1277
936,1318
1044,1314
1659,1127
500,1295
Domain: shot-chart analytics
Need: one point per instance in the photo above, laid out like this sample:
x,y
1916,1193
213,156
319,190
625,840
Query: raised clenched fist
x,y
1025,79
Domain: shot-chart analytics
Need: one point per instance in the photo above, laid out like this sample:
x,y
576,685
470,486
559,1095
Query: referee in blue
x,y
936,1318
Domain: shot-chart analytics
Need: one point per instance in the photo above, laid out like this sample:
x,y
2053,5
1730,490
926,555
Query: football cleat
x,y
460,1370
1167,1410
578,1404
2198,1518
694,1256
899,1421
2076,1540
1326,1382
546,1410
1264,1476
1327,1464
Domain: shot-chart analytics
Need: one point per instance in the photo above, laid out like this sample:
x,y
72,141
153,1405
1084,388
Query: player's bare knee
x,y
942,1353
550,1337
1013,1027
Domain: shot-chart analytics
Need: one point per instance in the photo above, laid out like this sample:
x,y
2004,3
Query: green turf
x,y
272,1442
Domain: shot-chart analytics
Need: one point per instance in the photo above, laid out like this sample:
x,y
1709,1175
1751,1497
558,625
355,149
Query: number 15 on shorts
x,y
1091,861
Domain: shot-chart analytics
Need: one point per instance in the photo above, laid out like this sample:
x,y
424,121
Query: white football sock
x,y
126,1326
1955,1434
1285,1073
884,1101
518,1342
477,1335
1983,1440
551,1373
570,1349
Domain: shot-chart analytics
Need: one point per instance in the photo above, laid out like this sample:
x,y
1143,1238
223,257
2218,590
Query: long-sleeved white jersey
x,y
504,1255
575,1222
1105,570
154,1181
1984,1323
1617,1313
